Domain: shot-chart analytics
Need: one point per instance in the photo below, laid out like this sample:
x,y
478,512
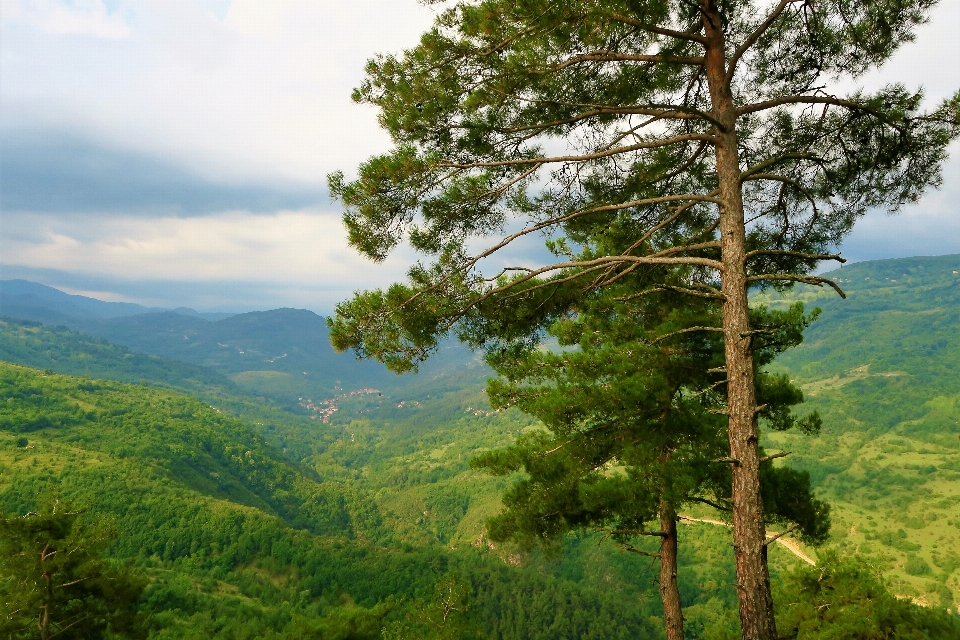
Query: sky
x,y
175,152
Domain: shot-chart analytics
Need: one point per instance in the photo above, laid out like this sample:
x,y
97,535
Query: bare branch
x,y
687,330
798,254
664,287
603,260
632,549
614,56
582,158
782,454
691,36
633,532
772,161
814,280
70,584
753,37
676,214
710,503
801,99
787,531
661,111
770,176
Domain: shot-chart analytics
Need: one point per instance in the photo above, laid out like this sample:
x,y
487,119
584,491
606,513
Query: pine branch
x,y
814,280
658,144
787,531
753,37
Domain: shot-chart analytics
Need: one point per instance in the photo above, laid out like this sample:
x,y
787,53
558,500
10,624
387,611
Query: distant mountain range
x,y
34,301
283,353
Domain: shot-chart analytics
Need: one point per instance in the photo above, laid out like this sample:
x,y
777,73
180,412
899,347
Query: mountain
x,y
239,542
883,369
34,301
880,367
283,354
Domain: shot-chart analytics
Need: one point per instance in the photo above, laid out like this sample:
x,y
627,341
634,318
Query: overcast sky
x,y
174,152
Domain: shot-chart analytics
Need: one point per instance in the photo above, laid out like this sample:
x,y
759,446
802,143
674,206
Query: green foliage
x,y
219,569
844,598
58,348
263,549
880,367
54,581
632,405
627,90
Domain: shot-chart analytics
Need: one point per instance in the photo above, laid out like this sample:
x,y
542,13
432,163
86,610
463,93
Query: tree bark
x,y
669,591
749,535
47,602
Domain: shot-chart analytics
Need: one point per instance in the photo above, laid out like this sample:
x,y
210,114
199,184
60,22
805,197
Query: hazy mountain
x,y
283,353
34,301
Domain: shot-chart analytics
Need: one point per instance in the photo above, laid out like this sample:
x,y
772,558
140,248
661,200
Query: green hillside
x,y
59,349
382,485
283,354
883,369
239,542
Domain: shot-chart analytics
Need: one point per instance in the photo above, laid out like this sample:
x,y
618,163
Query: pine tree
x,y
634,434
703,133
55,583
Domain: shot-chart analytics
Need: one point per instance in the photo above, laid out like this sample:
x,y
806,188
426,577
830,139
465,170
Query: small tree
x,y
704,133
634,429
845,598
54,582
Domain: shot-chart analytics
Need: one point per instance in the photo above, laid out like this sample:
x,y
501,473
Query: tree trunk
x,y
669,592
47,602
749,534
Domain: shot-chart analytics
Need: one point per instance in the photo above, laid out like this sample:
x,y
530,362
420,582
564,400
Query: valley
x,y
238,490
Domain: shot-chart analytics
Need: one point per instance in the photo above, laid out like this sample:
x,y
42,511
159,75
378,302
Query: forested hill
x,y
34,301
59,349
284,354
239,543
900,315
280,524
883,369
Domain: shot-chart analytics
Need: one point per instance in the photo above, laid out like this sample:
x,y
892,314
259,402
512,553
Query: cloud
x,y
80,17
49,171
290,246
259,91
197,134
928,228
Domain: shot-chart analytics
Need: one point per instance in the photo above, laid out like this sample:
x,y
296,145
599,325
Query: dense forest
x,y
246,519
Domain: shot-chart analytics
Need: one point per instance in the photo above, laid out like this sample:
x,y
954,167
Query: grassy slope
x,y
883,369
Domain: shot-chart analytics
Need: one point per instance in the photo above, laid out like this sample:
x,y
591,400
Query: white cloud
x,y
295,247
258,91
931,60
262,92
80,17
